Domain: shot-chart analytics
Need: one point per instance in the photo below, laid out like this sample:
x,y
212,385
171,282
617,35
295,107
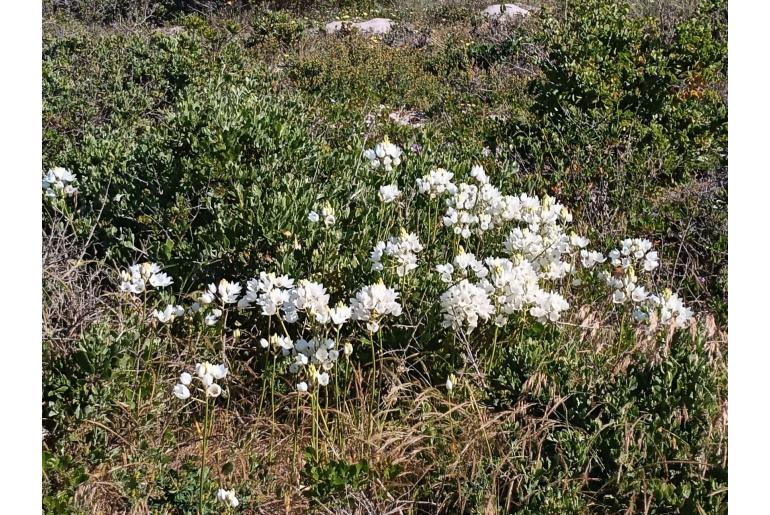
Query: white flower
x,y
590,258
322,378
450,382
264,343
313,217
168,314
227,497
214,390
160,280
578,241
389,193
229,292
185,379
348,348
302,387
445,272
373,302
213,317
340,314
209,295
137,277
59,182
218,371
650,261
181,391
384,155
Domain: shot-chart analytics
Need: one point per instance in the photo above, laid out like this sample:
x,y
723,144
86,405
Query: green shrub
x,y
278,26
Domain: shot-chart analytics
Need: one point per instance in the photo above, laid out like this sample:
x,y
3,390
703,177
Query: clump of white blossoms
x,y
384,155
374,302
672,310
206,374
318,356
340,314
227,497
477,208
436,183
59,182
136,279
389,193
667,307
463,304
270,292
169,314
403,249
310,297
226,292
540,253
635,251
280,296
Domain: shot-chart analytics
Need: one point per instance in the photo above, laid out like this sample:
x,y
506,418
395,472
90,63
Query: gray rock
x,y
333,26
374,26
507,11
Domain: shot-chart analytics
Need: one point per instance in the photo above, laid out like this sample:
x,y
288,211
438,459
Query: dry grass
x,y
72,287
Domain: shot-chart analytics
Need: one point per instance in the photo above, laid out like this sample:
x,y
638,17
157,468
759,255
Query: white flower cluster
x,y
226,292
137,277
206,373
672,309
384,155
634,251
59,182
374,302
389,193
477,208
502,288
463,304
319,355
637,253
278,295
270,292
543,241
223,293
403,249
436,183
309,297
169,314
227,497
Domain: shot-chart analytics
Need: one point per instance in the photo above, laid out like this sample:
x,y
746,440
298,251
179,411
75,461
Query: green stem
x,y
203,456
